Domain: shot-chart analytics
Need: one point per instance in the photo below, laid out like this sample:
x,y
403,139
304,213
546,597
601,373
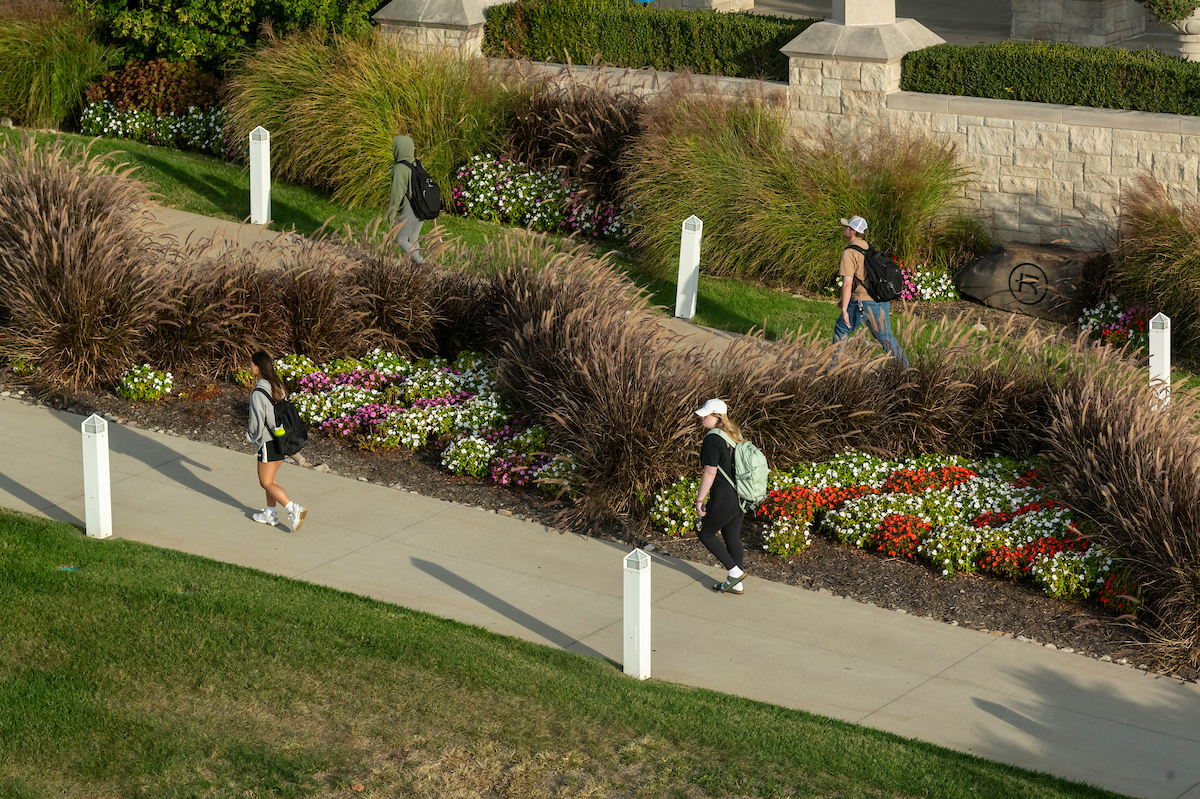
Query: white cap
x,y
713,406
855,223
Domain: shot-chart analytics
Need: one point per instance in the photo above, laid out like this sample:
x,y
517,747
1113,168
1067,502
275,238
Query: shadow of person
x,y
37,502
142,447
504,608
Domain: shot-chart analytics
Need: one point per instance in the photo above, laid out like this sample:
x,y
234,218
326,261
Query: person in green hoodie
x,y
398,205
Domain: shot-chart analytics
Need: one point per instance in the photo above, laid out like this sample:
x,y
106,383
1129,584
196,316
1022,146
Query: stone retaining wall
x,y
1095,23
1043,172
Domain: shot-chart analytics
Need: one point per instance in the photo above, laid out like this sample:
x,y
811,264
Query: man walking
x,y
856,305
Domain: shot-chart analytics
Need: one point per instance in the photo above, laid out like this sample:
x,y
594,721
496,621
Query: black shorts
x,y
269,452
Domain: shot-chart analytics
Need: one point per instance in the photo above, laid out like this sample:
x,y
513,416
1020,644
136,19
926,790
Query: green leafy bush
x,y
145,384
158,86
342,100
1044,72
770,204
46,66
214,33
627,34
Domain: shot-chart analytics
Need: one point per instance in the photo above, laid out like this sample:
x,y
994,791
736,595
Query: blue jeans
x,y
877,317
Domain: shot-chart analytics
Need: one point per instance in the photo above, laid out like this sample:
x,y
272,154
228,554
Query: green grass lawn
x,y
127,670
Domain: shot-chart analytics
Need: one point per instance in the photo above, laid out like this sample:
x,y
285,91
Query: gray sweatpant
x,y
410,230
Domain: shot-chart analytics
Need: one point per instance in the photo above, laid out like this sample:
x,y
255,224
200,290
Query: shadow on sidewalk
x,y
505,609
127,441
1066,716
38,502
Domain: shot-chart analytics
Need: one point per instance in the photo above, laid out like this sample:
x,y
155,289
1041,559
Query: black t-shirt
x,y
715,451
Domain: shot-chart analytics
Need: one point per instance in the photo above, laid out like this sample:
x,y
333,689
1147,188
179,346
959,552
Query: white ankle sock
x,y
735,573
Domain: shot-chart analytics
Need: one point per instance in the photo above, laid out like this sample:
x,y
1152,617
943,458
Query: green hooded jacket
x,y
402,150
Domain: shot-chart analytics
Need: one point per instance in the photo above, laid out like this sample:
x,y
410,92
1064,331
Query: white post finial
x,y
1160,357
637,614
260,176
97,493
689,268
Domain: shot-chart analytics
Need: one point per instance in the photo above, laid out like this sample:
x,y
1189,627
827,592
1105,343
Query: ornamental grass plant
x,y
48,58
1158,258
1133,467
79,275
341,100
770,203
582,128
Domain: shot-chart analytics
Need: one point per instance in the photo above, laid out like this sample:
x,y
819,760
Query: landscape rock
x,y
1044,281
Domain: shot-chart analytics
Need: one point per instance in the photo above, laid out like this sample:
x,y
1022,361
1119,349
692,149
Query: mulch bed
x,y
216,414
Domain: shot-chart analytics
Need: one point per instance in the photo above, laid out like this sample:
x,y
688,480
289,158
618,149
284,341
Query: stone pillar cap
x,y
432,13
879,43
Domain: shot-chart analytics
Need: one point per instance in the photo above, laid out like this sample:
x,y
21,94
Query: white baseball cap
x,y
711,407
855,223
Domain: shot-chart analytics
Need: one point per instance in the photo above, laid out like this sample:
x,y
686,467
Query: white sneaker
x,y
266,516
296,515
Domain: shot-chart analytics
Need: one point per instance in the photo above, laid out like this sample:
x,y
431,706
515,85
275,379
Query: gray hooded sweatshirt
x,y
402,150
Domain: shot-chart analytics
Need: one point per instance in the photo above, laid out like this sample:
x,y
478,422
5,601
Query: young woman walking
x,y
261,431
723,513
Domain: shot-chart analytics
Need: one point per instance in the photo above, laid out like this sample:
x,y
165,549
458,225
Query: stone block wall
x,y
1042,172
1096,23
468,41
694,5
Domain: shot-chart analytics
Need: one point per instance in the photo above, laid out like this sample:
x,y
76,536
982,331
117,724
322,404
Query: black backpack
x,y
885,280
424,195
295,431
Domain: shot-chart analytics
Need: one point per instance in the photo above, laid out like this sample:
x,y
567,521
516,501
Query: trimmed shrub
x,y
215,33
627,34
343,99
78,273
1044,72
770,205
46,64
1158,258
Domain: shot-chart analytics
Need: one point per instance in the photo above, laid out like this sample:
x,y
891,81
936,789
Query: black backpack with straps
x,y
424,194
885,279
295,429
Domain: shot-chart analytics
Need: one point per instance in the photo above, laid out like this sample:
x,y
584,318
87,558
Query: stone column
x,y
1095,23
435,24
842,70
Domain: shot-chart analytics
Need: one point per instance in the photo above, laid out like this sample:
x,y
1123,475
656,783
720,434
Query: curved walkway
x,y
993,696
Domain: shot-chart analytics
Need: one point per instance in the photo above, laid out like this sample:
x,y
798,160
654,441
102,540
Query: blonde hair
x,y
725,424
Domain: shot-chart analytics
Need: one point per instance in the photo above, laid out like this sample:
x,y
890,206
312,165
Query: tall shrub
x,y
1134,469
1158,258
78,271
770,205
47,63
334,103
215,33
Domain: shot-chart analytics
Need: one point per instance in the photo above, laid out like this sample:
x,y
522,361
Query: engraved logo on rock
x,y
1028,284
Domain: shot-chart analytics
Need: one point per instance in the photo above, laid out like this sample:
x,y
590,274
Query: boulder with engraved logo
x,y
1045,281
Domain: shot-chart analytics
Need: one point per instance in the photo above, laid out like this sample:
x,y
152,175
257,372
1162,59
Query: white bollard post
x,y
637,614
689,268
260,176
96,489
1160,357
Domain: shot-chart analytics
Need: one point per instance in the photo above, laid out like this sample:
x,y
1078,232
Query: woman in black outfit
x,y
724,511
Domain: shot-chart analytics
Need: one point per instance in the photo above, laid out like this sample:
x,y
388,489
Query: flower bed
x,y
501,190
989,517
197,129
1117,326
383,402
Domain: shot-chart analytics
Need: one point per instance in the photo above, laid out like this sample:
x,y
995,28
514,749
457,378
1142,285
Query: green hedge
x,y
1135,80
627,34
215,32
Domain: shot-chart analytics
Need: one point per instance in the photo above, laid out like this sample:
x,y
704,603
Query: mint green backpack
x,y
750,471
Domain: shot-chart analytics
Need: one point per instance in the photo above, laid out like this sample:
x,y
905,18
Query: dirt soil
x,y
216,414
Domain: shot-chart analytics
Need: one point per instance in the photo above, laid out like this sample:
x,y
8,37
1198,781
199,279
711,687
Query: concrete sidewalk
x,y
996,697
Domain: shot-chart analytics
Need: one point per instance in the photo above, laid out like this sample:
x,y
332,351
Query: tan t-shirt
x,y
852,266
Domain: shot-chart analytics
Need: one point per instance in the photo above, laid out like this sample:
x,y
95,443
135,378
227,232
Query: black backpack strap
x,y
858,282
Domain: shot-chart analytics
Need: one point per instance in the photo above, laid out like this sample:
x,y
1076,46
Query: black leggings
x,y
729,524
